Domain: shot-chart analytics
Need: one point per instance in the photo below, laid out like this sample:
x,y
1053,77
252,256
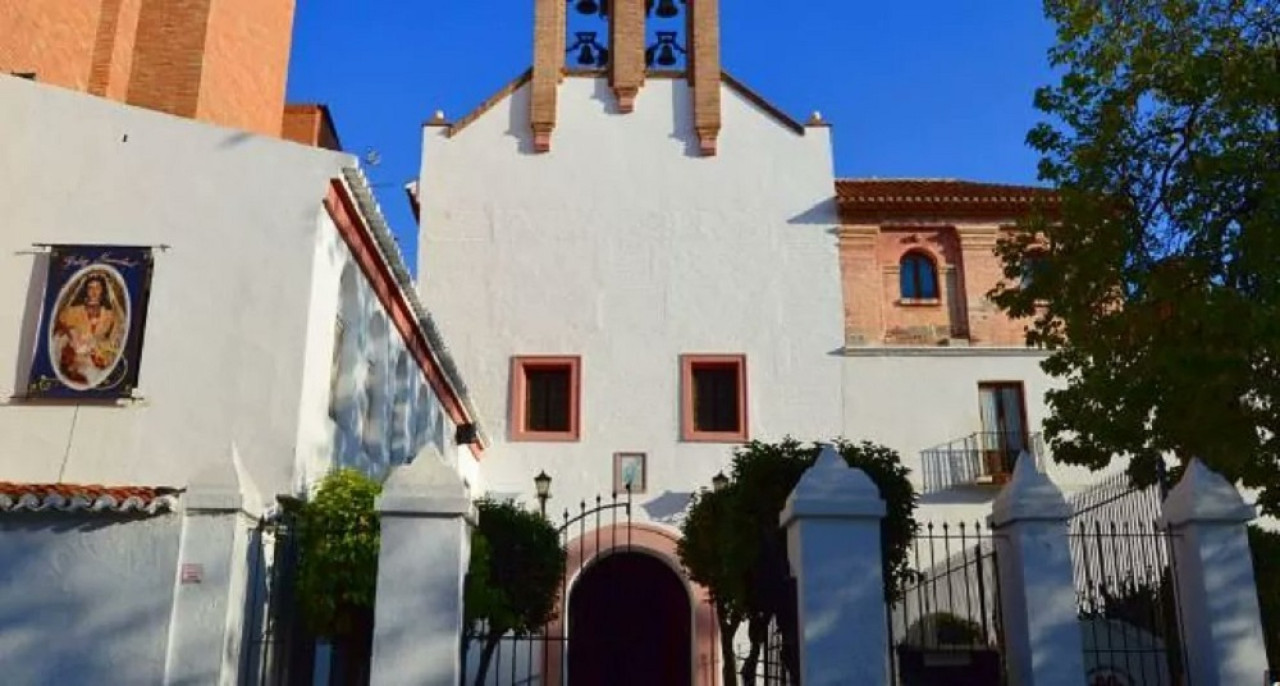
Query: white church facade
x,y
621,254
627,267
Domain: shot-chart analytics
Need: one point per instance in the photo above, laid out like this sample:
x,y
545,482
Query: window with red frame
x,y
714,398
544,398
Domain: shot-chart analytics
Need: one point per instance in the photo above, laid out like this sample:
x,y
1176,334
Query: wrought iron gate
x,y
542,659
945,626
1126,584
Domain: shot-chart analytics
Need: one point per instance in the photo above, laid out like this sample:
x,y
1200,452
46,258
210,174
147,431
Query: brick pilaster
x,y
627,47
863,291
704,71
113,48
169,61
548,63
981,272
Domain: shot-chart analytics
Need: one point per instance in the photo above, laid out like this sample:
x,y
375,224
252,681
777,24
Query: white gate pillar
x,y
1043,642
206,632
832,520
422,564
1217,592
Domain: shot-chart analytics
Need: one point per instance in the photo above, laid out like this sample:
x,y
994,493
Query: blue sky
x,y
920,88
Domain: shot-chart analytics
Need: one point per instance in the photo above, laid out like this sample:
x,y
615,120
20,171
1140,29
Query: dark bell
x,y
587,6
666,56
586,56
667,9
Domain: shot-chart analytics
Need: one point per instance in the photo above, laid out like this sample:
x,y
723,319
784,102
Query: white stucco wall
x,y
913,400
239,338
625,247
221,362
382,411
85,599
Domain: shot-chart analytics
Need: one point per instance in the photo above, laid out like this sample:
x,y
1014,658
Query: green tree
x,y
1155,283
338,536
733,545
710,545
514,576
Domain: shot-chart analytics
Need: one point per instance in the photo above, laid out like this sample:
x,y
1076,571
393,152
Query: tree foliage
x,y
1156,281
733,544
338,535
514,576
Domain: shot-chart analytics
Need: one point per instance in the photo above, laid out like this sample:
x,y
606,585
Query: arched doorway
x,y
630,624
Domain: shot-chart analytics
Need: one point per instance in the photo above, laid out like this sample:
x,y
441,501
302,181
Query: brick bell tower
x,y
675,37
220,61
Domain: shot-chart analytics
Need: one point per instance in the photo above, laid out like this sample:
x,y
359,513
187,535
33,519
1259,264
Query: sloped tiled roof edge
x,y
394,258
515,84
493,101
90,499
873,197
763,103
915,189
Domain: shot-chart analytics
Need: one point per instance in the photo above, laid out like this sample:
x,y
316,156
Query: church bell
x,y
666,56
667,9
587,7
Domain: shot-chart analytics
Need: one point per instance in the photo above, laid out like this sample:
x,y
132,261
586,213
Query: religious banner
x,y
91,325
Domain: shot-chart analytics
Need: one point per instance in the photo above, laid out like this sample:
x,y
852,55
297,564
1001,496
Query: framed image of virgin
x,y
629,473
92,320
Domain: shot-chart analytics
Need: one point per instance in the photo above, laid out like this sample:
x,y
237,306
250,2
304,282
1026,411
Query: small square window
x,y
544,398
714,402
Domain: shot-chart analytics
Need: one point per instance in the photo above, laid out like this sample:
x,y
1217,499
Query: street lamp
x,y
542,484
719,482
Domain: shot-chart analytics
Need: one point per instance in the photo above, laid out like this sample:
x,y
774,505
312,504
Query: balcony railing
x,y
984,457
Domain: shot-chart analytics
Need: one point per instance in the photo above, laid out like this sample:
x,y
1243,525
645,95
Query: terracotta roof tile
x,y
17,497
871,199
934,190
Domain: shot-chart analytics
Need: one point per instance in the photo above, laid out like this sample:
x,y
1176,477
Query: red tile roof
x,y
937,197
16,497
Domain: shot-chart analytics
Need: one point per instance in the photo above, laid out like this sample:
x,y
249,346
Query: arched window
x,y
1033,263
919,277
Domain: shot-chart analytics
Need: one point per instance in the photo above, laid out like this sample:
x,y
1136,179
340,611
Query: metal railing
x,y
982,457
1125,577
945,624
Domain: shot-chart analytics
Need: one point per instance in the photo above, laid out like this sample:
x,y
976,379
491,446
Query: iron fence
x,y
777,662
1125,580
278,650
945,625
543,658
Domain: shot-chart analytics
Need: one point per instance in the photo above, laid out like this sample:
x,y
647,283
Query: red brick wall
x,y
967,269
169,62
54,38
309,125
246,64
223,62
113,48
220,61
982,271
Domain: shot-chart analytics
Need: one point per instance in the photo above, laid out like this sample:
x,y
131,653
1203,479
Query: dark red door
x,y
630,625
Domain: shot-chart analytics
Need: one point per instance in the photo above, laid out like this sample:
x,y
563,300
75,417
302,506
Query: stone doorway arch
x,y
655,542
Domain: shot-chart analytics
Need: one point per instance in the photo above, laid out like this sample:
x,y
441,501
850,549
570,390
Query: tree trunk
x,y
491,643
758,633
729,664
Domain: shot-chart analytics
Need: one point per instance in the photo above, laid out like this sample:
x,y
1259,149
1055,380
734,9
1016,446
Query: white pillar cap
x,y
830,489
1203,495
1029,496
426,488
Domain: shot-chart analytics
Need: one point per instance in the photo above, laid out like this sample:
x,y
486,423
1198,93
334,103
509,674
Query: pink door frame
x,y
648,539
